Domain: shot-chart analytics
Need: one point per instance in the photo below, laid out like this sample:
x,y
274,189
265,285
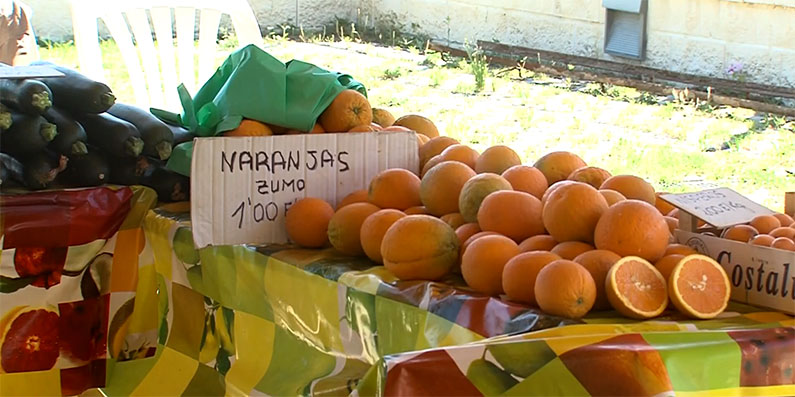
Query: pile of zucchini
x,y
70,132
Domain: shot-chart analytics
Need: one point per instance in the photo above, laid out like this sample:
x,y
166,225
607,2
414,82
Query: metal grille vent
x,y
625,30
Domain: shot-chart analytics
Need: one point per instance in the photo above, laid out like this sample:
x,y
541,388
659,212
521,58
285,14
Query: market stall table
x,y
285,321
242,320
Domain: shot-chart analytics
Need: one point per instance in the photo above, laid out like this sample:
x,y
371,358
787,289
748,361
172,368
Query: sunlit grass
x,y
614,127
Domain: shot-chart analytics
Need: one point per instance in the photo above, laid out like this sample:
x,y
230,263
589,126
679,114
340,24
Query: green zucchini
x,y
180,133
25,95
10,170
169,185
111,134
158,138
5,117
77,93
71,138
131,171
89,169
28,134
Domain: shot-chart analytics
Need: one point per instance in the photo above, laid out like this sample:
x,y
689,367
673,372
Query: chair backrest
x,y
156,83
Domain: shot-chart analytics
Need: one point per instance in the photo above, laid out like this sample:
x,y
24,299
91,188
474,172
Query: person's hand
x,y
13,27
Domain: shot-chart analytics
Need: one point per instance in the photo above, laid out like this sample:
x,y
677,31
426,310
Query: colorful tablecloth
x,y
275,320
68,283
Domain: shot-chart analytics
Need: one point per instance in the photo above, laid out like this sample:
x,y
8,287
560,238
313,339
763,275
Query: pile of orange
x,y
775,231
562,235
350,111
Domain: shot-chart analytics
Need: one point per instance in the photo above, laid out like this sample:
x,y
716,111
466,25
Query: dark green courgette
x,y
113,135
169,185
28,134
10,170
41,169
71,138
89,169
77,93
158,138
5,118
25,95
131,172
180,133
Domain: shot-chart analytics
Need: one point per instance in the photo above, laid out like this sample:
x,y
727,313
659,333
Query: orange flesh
x,y
640,287
701,286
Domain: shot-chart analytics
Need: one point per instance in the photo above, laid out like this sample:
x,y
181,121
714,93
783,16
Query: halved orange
x,y
636,289
699,287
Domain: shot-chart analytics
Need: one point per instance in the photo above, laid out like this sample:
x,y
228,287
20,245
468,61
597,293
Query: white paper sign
x,y
26,72
721,207
761,276
241,187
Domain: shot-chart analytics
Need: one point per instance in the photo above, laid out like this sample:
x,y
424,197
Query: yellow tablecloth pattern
x,y
283,321
276,320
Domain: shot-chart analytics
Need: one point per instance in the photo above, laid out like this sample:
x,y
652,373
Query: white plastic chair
x,y
150,82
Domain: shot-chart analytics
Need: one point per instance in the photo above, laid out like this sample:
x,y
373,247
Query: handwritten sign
x,y
242,187
721,207
27,72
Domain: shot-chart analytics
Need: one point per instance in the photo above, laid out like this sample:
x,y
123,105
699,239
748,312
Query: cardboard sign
x,y
721,207
241,187
27,72
760,276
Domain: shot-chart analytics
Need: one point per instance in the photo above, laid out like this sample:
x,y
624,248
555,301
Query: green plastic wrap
x,y
255,85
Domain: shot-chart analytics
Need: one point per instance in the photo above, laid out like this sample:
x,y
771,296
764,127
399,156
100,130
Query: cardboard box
x,y
241,187
760,276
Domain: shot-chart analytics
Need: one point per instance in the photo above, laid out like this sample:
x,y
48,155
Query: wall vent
x,y
625,28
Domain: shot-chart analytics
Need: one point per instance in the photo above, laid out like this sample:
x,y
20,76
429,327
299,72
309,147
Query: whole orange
x,y
483,262
520,273
593,176
348,109
572,211
356,196
441,186
526,179
565,288
395,188
434,147
345,227
598,263
462,153
307,221
557,166
373,229
496,159
541,242
419,247
632,187
516,215
475,191
633,227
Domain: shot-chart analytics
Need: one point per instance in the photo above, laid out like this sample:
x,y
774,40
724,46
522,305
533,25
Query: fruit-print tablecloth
x,y
68,281
275,320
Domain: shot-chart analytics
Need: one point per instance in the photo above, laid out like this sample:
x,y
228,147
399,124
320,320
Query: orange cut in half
x,y
699,287
636,289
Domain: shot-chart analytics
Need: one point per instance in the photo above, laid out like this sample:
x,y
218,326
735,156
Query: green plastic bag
x,y
253,84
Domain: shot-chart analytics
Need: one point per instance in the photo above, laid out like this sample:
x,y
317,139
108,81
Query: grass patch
x,y
616,128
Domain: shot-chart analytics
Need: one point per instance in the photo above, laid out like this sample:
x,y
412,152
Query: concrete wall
x,y
52,18
692,36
